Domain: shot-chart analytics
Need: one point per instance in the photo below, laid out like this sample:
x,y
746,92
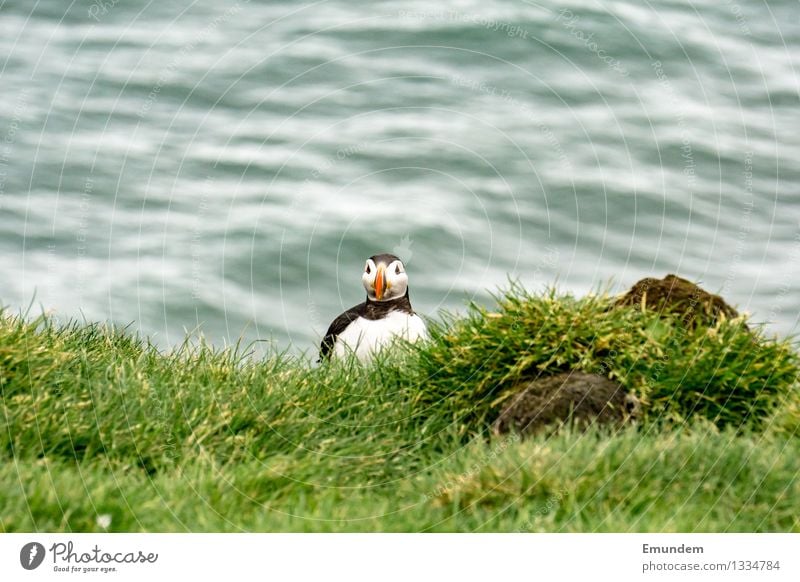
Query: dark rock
x,y
678,296
571,396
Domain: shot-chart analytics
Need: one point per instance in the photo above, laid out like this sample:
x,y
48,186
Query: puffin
x,y
384,316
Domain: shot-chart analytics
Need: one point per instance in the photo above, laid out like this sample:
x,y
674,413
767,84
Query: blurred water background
x,y
228,166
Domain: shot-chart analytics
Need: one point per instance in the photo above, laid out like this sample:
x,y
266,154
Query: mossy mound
x,y
574,397
726,372
680,297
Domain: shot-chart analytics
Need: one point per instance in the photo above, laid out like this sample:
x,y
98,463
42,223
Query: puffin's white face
x,y
385,282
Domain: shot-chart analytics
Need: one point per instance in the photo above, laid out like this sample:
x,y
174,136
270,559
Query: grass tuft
x,y
729,374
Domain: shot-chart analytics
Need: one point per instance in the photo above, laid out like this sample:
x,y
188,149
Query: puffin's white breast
x,y
365,336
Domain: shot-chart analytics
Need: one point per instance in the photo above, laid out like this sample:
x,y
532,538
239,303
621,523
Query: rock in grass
x,y
571,396
675,295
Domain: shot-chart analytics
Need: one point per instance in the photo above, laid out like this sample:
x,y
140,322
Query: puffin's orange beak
x,y
380,282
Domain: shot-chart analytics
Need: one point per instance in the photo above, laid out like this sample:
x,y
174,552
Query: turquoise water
x,y
229,166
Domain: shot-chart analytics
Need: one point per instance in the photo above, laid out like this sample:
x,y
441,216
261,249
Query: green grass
x,y
95,421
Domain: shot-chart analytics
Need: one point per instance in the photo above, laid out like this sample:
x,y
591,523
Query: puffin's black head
x,y
385,277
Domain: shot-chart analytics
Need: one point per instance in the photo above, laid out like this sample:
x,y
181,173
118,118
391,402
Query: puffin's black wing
x,y
338,326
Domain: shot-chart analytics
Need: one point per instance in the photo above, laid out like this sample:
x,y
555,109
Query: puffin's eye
x,y
397,270
368,270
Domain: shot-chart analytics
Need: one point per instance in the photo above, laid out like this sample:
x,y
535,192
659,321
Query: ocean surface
x,y
227,167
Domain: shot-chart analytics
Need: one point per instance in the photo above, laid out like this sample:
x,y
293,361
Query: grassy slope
x,y
95,422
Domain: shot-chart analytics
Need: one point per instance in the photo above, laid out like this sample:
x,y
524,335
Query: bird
x,y
385,315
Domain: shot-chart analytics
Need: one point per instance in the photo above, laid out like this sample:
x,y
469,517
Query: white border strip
x,y
401,557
